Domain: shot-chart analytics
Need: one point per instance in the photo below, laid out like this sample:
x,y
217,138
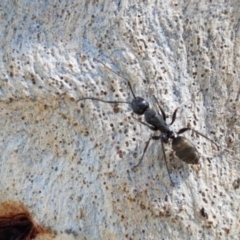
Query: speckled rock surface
x,y
70,163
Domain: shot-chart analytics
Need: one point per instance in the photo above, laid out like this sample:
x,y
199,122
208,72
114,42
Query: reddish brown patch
x,y
16,222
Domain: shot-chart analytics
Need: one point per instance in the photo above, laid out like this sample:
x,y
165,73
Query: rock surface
x,y
70,163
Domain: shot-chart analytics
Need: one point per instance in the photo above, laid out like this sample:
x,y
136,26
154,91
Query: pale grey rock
x,y
70,163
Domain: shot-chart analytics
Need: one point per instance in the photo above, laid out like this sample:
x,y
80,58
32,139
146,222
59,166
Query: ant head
x,y
139,105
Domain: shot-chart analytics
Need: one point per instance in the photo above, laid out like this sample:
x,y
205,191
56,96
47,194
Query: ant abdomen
x,y
185,150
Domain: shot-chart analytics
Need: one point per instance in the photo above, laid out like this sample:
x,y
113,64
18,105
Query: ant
x,y
183,148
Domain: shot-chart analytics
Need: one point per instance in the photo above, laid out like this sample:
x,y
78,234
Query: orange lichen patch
x,y
16,222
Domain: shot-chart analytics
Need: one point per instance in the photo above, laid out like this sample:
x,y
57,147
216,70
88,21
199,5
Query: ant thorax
x,y
156,120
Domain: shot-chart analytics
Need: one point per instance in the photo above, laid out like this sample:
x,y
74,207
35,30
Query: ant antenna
x,y
101,100
129,84
111,102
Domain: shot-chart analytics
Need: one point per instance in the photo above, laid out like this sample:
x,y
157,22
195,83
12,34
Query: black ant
x,y
183,148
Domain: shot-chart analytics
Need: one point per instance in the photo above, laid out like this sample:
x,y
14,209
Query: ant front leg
x,y
174,116
163,113
161,109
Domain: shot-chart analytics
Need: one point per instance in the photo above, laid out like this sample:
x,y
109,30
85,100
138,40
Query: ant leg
x,y
164,155
161,109
206,137
174,116
175,112
145,149
186,129
165,159
182,130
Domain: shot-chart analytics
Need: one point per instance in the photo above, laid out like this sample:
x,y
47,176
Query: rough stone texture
x,y
70,163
